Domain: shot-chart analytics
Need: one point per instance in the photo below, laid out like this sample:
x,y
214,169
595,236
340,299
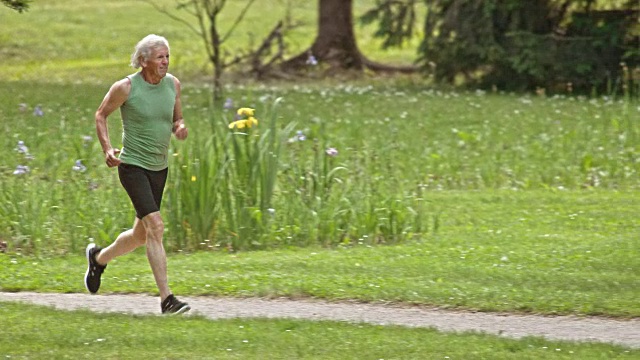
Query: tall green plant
x,y
193,196
252,177
224,184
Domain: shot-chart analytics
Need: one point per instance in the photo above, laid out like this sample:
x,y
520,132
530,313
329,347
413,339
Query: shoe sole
x,y
182,310
86,275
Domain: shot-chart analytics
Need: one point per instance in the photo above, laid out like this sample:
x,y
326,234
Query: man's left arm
x,y
179,128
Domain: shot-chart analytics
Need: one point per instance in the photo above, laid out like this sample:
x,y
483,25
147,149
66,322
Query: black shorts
x,y
145,187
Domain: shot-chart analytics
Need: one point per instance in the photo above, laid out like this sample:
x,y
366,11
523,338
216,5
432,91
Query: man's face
x,y
158,62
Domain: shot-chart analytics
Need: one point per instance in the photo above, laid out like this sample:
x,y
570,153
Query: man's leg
x,y
98,258
125,243
155,252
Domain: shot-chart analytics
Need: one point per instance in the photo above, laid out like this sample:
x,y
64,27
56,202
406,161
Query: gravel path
x,y
622,332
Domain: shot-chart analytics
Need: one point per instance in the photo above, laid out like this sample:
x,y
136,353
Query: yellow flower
x,y
193,178
238,124
241,124
246,112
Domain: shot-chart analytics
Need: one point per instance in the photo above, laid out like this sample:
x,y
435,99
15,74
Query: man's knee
x,y
139,232
154,225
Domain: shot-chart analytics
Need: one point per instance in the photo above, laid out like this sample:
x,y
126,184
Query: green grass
x,y
397,146
528,214
540,252
493,202
41,333
87,40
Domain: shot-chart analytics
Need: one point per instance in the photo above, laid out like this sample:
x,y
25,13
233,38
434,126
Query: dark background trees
x,y
508,44
335,43
18,5
519,45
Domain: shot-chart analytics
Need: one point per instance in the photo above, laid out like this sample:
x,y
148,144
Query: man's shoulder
x,y
173,79
123,81
122,85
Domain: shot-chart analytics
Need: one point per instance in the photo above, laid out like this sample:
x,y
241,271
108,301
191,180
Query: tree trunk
x,y
335,42
216,59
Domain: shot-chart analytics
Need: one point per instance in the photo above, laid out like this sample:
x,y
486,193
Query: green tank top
x,y
147,122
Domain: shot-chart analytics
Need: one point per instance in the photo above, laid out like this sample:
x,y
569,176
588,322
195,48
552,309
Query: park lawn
x,y
36,332
547,252
531,201
87,40
528,203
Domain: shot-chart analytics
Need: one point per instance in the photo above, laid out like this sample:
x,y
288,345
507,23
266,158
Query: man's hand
x,y
111,158
180,130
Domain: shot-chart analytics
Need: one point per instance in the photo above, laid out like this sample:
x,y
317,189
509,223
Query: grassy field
x,y
519,265
24,334
458,199
92,41
399,149
512,202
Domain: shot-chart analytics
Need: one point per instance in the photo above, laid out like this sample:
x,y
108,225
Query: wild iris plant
x,y
357,168
251,184
50,204
225,182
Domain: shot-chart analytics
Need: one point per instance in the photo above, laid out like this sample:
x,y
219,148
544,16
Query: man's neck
x,y
150,78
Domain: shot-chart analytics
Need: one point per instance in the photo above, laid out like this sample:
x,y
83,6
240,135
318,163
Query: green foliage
x,y
225,184
395,146
17,5
587,57
234,199
395,20
523,45
541,251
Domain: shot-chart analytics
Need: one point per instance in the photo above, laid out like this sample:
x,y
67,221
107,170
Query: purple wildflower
x,y
21,170
299,136
228,104
22,148
331,152
79,166
37,111
312,60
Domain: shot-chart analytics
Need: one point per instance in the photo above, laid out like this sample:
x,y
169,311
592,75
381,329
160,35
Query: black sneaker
x,y
171,305
94,271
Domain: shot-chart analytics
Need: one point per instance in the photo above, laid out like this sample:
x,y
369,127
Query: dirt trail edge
x,y
621,332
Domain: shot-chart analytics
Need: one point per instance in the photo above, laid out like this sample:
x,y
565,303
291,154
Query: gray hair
x,y
145,47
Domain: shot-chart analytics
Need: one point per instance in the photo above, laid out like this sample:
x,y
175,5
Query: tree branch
x,y
174,17
276,33
204,35
238,20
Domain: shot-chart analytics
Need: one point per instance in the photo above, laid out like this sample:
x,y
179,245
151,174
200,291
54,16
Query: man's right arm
x,y
116,96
